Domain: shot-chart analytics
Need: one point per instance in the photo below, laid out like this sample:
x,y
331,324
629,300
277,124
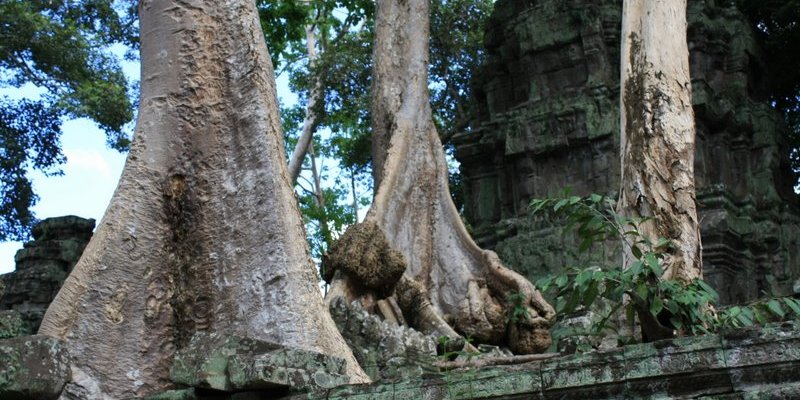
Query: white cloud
x,y
85,160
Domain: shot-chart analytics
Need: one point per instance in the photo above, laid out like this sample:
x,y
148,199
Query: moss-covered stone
x,y
712,367
11,324
231,363
32,367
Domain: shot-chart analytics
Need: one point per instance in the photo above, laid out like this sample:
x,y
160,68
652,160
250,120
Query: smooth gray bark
x,y
203,232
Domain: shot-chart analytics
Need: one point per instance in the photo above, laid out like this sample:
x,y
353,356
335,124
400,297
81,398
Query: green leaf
x,y
591,293
583,277
561,281
656,306
595,198
560,303
652,262
574,300
544,283
746,317
793,304
636,268
775,307
636,251
759,316
642,291
672,307
713,293
585,245
561,203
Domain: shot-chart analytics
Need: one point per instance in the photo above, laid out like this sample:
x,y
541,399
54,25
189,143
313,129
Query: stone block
x,y
684,366
759,356
179,394
595,374
524,380
33,367
231,363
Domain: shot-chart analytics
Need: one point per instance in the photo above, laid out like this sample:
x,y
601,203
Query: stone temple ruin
x,y
548,118
752,363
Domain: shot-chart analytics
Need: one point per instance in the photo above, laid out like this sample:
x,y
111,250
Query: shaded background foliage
x,y
777,24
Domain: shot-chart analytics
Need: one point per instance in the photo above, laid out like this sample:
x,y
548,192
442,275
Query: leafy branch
x,y
664,307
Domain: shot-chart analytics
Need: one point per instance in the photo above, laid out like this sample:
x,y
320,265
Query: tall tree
x,y
61,47
203,232
658,133
412,252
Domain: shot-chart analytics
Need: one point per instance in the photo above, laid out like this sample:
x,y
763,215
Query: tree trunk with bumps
x,y
203,232
447,286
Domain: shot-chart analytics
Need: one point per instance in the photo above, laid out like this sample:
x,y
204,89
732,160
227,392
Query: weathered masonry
x,y
549,120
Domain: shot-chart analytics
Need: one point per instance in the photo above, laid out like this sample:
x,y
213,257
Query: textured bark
x,y
450,286
203,232
658,133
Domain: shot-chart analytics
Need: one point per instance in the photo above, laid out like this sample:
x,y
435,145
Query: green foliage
x,y
61,48
456,45
640,290
283,25
324,223
519,312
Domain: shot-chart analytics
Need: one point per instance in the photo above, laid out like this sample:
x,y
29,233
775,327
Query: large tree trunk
x,y
203,232
449,286
658,134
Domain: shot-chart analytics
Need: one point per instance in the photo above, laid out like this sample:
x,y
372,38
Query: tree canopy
x,y
61,48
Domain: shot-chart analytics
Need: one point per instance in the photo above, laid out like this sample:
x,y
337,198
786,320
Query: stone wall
x,y
548,119
42,265
757,363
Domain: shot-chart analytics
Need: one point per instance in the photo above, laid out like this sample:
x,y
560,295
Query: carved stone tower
x,y
548,120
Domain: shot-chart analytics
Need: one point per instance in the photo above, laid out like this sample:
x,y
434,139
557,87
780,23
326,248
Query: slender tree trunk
x,y
310,120
658,134
203,231
355,196
448,286
319,194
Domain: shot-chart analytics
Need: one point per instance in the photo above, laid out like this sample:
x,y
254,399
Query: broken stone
x,y
42,266
385,350
33,367
232,363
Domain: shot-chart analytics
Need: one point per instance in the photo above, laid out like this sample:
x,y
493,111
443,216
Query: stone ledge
x,y
750,363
